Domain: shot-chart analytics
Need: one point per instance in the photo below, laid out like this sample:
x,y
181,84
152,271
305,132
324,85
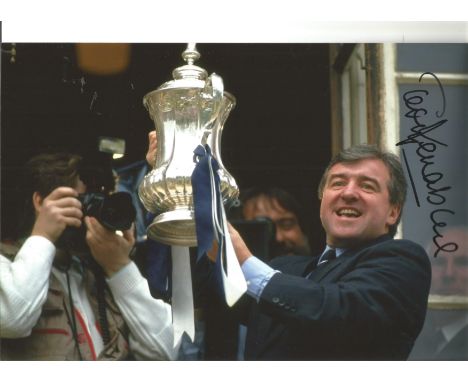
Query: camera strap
x,y
73,318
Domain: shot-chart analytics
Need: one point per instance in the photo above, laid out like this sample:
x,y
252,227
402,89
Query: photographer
x,y
71,291
285,213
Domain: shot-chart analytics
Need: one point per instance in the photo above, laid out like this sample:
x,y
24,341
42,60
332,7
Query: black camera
x,y
259,236
115,211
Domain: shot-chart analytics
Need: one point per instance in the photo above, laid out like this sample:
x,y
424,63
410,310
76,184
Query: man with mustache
x,y
285,213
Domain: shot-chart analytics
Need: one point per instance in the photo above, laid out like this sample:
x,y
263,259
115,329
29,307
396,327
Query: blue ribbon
x,y
207,200
202,178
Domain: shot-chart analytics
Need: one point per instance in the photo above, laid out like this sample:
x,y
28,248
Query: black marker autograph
x,y
426,149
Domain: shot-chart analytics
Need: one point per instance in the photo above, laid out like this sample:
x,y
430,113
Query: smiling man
x,y
365,296
356,204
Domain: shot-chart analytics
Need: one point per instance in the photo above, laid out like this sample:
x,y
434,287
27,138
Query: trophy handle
x,y
217,90
217,86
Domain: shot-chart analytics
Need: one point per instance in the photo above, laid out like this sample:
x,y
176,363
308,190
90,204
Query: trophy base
x,y
174,228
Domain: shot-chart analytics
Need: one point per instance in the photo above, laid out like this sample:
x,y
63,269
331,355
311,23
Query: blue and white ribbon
x,y
211,224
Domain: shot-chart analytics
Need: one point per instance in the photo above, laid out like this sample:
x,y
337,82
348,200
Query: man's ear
x,y
37,200
393,215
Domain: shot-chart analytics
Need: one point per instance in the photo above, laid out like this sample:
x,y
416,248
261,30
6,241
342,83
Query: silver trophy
x,y
187,111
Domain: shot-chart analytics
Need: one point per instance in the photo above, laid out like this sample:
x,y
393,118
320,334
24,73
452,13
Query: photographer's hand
x,y
54,213
152,147
111,251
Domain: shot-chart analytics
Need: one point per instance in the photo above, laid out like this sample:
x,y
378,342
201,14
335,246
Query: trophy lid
x,y
188,78
189,75
190,55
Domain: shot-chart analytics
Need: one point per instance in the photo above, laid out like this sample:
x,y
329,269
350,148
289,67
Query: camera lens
x,y
115,211
118,212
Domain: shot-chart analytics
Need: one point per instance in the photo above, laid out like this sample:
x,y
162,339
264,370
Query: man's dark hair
x,y
43,173
397,184
46,172
284,199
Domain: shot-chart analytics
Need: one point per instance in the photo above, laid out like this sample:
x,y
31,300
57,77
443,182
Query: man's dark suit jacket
x,y
427,345
368,304
456,349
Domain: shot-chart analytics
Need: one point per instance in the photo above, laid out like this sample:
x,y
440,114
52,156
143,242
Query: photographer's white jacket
x,y
24,286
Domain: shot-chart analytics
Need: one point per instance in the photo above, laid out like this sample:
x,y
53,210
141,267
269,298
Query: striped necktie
x,y
327,257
